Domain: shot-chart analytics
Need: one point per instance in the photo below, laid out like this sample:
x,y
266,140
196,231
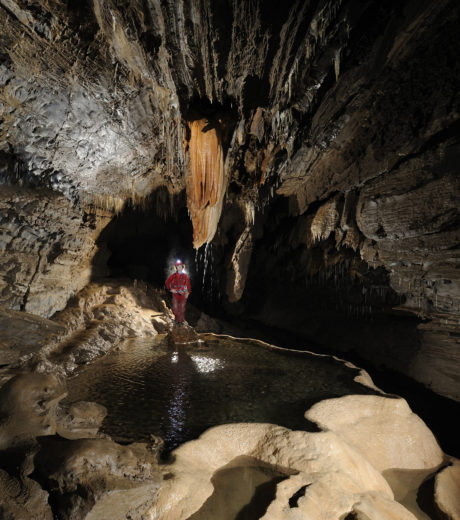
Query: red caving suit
x,y
181,283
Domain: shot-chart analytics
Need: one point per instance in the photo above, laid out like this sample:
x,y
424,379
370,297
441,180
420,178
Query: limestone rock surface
x,y
23,499
28,405
369,462
98,319
182,334
383,429
85,475
447,490
392,438
96,478
22,333
82,420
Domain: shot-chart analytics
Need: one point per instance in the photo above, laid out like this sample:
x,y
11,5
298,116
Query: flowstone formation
x,y
330,474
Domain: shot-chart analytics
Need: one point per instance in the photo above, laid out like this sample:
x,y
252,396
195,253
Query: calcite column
x,y
205,180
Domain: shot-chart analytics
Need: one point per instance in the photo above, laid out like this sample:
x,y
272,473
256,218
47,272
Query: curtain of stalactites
x,y
205,182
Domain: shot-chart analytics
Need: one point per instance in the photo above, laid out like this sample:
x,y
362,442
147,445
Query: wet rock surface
x,y
28,408
82,420
96,478
96,320
182,334
84,475
321,473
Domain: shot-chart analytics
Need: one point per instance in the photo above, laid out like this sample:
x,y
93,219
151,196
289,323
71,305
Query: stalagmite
x,y
205,181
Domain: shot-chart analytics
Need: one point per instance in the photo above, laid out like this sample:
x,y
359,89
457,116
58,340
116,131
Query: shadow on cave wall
x,y
142,242
324,296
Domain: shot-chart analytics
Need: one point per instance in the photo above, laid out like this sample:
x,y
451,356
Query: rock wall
x,y
47,248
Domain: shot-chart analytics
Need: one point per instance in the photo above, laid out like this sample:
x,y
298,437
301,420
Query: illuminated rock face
x,y
205,181
327,474
47,249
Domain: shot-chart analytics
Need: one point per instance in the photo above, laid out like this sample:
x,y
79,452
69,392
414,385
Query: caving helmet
x,y
178,263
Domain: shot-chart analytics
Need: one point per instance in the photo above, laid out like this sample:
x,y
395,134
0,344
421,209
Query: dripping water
x,y
205,271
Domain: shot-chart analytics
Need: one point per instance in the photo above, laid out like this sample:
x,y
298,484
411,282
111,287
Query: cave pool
x,y
150,387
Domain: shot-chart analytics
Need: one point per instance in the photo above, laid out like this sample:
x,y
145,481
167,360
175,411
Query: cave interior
x,y
300,157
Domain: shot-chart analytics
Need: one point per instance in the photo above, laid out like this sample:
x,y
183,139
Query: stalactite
x,y
336,61
205,180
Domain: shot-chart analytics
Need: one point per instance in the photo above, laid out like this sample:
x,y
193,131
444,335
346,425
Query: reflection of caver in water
x,y
179,284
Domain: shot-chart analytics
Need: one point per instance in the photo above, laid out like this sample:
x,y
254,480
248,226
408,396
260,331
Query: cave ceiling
x,y
312,97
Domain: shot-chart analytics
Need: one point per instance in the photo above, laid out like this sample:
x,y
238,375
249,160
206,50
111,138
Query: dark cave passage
x,y
141,243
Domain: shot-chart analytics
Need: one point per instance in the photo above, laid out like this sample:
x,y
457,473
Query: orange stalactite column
x,y
204,181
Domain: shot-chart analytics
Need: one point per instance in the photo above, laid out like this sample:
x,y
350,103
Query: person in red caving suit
x,y
179,284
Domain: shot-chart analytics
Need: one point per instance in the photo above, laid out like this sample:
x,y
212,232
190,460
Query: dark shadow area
x,y
426,499
243,490
142,242
294,500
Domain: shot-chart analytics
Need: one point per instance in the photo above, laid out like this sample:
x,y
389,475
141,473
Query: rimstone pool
x,y
148,387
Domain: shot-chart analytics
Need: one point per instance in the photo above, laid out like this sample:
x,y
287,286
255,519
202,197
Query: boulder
x,y
97,478
28,405
447,491
181,334
82,420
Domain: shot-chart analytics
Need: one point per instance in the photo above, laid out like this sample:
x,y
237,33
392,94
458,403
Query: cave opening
x,y
142,242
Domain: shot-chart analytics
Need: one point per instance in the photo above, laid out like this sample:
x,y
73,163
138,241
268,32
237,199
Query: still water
x,y
149,387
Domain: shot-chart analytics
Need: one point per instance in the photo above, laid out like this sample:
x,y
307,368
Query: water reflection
x,y
151,388
180,386
205,365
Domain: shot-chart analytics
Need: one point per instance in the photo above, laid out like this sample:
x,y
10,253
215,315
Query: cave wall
x,y
336,118
47,249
